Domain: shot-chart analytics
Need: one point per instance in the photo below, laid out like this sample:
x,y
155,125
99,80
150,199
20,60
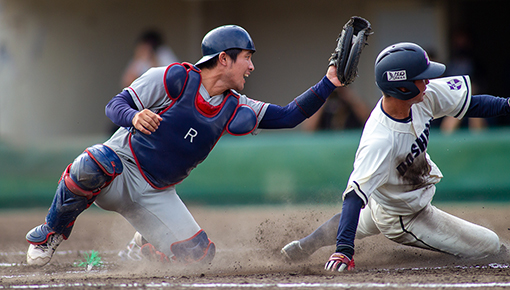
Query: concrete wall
x,y
61,60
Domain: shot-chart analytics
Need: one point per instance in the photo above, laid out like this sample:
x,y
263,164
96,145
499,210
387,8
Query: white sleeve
x,y
449,96
148,91
371,165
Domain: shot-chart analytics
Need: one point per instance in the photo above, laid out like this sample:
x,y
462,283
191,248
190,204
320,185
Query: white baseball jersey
x,y
391,164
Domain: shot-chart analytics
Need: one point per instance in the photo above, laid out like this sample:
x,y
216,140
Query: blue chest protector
x,y
189,130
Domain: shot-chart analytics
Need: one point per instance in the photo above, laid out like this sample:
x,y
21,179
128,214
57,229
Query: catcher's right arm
x,y
350,43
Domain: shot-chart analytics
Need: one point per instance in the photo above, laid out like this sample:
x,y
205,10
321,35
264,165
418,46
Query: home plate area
x,y
248,241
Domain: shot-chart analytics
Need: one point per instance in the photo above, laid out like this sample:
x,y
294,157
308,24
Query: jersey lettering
x,y
419,146
191,133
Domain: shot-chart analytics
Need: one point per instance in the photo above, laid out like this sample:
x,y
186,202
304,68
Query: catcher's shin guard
x,y
82,180
64,210
198,248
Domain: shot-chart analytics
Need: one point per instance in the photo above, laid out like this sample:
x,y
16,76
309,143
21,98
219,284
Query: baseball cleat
x,y
139,249
40,255
133,249
293,252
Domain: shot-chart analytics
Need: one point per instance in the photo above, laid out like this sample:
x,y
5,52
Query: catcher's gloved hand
x,y
350,43
339,262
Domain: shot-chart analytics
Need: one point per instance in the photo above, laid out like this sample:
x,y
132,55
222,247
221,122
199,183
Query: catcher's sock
x,y
40,255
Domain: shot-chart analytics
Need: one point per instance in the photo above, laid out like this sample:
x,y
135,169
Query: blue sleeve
x,y
348,224
277,117
302,107
121,109
484,106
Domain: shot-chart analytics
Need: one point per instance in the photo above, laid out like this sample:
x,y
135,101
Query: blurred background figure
x,y
344,109
462,62
150,51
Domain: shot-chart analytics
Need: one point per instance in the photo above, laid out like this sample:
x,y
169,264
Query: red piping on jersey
x,y
258,113
138,98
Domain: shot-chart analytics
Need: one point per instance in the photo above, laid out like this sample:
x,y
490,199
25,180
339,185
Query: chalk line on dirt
x,y
266,285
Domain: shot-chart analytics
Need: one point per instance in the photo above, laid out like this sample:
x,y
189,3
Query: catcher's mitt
x,y
350,43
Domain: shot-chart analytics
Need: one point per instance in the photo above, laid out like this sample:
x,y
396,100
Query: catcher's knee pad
x,y
92,170
195,249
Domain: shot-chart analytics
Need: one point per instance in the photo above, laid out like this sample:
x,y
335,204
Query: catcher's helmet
x,y
399,65
223,38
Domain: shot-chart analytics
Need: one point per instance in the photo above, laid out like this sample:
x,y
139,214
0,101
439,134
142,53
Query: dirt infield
x,y
248,241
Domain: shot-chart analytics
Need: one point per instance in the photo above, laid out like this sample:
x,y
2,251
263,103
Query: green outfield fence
x,y
275,168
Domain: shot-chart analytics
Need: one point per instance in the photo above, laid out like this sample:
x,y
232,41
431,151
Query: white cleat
x,y
133,249
139,249
40,255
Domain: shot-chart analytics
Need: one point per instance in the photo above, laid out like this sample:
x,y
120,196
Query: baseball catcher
x,y
350,43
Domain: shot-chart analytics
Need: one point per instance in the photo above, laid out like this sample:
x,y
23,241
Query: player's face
x,y
241,69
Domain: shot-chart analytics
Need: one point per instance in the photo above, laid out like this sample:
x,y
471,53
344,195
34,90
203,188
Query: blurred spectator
x,y
150,51
344,109
462,62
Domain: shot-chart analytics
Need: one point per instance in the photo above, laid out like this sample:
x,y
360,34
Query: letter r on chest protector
x,y
192,133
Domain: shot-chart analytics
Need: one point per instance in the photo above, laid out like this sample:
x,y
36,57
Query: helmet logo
x,y
395,76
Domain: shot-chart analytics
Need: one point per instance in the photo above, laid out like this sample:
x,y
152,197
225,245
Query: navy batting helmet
x,y
399,65
223,38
